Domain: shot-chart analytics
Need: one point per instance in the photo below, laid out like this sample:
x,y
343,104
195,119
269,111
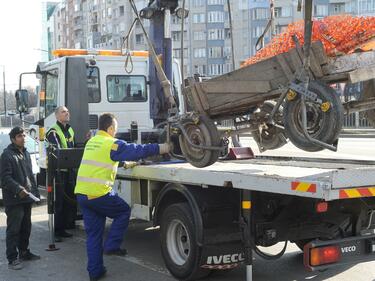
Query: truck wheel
x,y
179,247
270,137
204,133
324,122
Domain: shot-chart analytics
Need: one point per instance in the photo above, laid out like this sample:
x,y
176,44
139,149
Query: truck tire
x,y
179,247
204,133
323,126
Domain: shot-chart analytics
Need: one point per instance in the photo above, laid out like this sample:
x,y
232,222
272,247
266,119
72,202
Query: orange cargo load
x,y
340,34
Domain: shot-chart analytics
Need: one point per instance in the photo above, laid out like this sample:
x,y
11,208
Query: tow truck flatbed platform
x,y
326,179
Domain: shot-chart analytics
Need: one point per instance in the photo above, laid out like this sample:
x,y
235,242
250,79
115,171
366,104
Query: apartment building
x,y
207,37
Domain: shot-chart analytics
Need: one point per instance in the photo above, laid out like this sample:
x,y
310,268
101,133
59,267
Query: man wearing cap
x,y
17,182
96,176
61,135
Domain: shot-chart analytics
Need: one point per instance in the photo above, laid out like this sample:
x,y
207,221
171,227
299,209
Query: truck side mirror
x,y
22,100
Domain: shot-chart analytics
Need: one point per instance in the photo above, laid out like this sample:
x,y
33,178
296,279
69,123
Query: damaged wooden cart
x,y
275,99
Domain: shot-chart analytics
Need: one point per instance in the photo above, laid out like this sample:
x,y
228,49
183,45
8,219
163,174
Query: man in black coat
x,y
17,182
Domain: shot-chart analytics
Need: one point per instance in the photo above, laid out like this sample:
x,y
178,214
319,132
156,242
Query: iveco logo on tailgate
x,y
225,259
348,249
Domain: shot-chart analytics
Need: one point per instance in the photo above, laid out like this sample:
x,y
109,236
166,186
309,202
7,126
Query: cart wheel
x,y
369,92
324,122
204,133
269,137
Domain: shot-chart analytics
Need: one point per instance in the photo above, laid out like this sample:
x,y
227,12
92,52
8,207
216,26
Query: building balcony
x,y
78,27
78,14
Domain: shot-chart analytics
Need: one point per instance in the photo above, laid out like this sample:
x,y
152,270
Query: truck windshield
x,y
93,84
125,88
51,92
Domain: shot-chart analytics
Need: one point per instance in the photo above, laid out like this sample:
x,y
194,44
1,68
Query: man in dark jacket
x,y
17,182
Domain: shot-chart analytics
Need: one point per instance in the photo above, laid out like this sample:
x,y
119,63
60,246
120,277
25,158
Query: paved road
x,y
144,262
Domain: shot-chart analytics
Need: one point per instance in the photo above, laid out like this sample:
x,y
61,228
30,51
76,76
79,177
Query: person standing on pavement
x,y
96,176
61,135
17,182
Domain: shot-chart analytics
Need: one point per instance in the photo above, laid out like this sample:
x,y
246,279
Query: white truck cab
x,y
92,82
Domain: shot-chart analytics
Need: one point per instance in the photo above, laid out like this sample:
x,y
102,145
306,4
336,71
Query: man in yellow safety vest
x,y
96,176
61,135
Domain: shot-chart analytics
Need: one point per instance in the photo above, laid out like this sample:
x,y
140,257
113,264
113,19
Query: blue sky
x,y
20,33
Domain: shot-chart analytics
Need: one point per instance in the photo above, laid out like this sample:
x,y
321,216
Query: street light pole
x,y
5,98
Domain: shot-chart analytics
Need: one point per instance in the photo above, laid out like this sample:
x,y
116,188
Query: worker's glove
x,y
130,164
164,148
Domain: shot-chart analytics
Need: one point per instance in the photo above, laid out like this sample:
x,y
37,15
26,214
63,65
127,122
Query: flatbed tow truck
x,y
212,217
325,206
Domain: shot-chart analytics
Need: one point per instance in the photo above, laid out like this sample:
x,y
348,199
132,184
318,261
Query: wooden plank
x,y
235,106
349,62
193,97
235,87
284,65
315,66
296,60
335,78
362,74
202,96
264,70
319,53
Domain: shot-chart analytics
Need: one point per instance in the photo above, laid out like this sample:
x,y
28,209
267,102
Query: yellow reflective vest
x,y
63,140
97,172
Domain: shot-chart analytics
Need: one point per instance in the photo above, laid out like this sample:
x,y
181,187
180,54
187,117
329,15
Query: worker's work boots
x,y
118,252
100,276
28,256
15,265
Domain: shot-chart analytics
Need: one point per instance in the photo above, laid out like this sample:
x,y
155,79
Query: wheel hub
x,y
178,242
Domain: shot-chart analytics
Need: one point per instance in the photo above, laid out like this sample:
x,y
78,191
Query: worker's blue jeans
x,y
94,213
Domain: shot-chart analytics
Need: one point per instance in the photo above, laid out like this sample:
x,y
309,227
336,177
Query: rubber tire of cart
x,y
369,92
208,131
277,137
190,270
332,120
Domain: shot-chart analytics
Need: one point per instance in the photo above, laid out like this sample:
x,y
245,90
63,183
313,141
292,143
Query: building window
x,y
139,39
122,10
215,52
283,12
280,28
176,35
200,69
199,18
260,13
320,10
215,2
215,16
338,8
199,52
215,34
199,35
199,3
227,33
215,69
258,31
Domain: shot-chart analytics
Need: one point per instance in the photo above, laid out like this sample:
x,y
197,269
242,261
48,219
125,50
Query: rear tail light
x,y
321,207
324,255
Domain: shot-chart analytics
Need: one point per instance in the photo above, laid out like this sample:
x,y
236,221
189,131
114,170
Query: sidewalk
x,y
68,263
